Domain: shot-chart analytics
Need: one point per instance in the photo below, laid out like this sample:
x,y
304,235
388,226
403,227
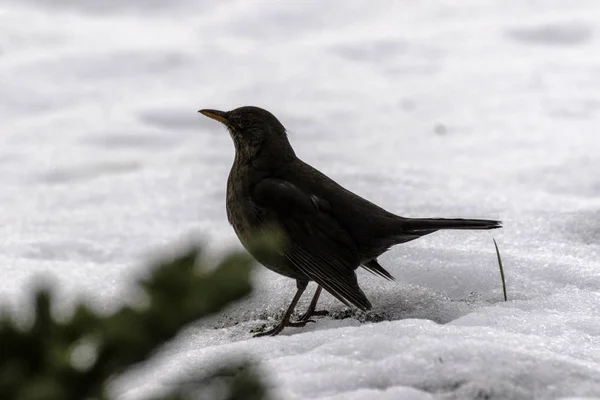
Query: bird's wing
x,y
315,242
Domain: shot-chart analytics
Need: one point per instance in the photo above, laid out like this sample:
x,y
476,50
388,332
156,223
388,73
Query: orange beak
x,y
217,115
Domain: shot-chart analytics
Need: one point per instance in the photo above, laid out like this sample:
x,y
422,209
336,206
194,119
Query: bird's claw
x,y
321,313
272,332
308,314
300,323
277,329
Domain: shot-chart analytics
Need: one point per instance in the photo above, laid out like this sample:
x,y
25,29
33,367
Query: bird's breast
x,y
249,220
242,212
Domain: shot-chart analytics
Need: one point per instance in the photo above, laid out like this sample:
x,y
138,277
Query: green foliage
x,y
74,358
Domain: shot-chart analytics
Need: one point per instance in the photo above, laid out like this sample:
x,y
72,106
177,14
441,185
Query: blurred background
x,y
482,109
478,109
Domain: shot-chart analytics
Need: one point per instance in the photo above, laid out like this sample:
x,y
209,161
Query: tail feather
x,y
375,268
425,226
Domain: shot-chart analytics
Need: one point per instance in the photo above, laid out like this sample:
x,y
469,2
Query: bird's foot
x,y
299,324
277,329
310,313
272,332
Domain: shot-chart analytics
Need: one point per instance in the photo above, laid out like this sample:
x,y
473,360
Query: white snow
x,y
484,109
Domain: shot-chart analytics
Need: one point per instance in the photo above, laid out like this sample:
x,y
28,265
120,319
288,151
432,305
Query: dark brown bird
x,y
327,231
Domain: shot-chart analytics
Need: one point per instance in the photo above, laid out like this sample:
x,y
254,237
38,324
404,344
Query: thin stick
x,y
501,270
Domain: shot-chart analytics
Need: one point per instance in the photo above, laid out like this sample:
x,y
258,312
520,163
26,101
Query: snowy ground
x,y
488,109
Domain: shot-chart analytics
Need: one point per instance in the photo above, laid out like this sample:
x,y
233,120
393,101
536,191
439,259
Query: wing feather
x,y
316,244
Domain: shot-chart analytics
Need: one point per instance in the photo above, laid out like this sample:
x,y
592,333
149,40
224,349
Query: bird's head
x,y
254,131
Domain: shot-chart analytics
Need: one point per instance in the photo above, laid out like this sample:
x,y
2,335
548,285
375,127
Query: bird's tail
x,y
424,226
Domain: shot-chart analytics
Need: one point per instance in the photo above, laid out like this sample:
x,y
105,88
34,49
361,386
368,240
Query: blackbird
x,y
327,232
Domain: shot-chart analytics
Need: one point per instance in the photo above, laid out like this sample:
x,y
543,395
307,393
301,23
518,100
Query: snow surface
x,y
479,109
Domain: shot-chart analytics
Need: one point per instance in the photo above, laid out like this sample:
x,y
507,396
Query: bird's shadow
x,y
392,302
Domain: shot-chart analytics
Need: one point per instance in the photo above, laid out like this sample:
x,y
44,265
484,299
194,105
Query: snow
x,y
485,109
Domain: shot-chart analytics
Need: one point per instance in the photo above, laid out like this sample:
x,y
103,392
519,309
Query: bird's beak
x,y
220,116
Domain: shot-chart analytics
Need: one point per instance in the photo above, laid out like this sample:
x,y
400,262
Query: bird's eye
x,y
245,121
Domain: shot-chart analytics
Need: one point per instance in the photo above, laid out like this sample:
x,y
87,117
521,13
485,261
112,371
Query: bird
x,y
325,232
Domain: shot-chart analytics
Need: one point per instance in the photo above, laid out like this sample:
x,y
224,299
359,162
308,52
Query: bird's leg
x,y
286,317
312,307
